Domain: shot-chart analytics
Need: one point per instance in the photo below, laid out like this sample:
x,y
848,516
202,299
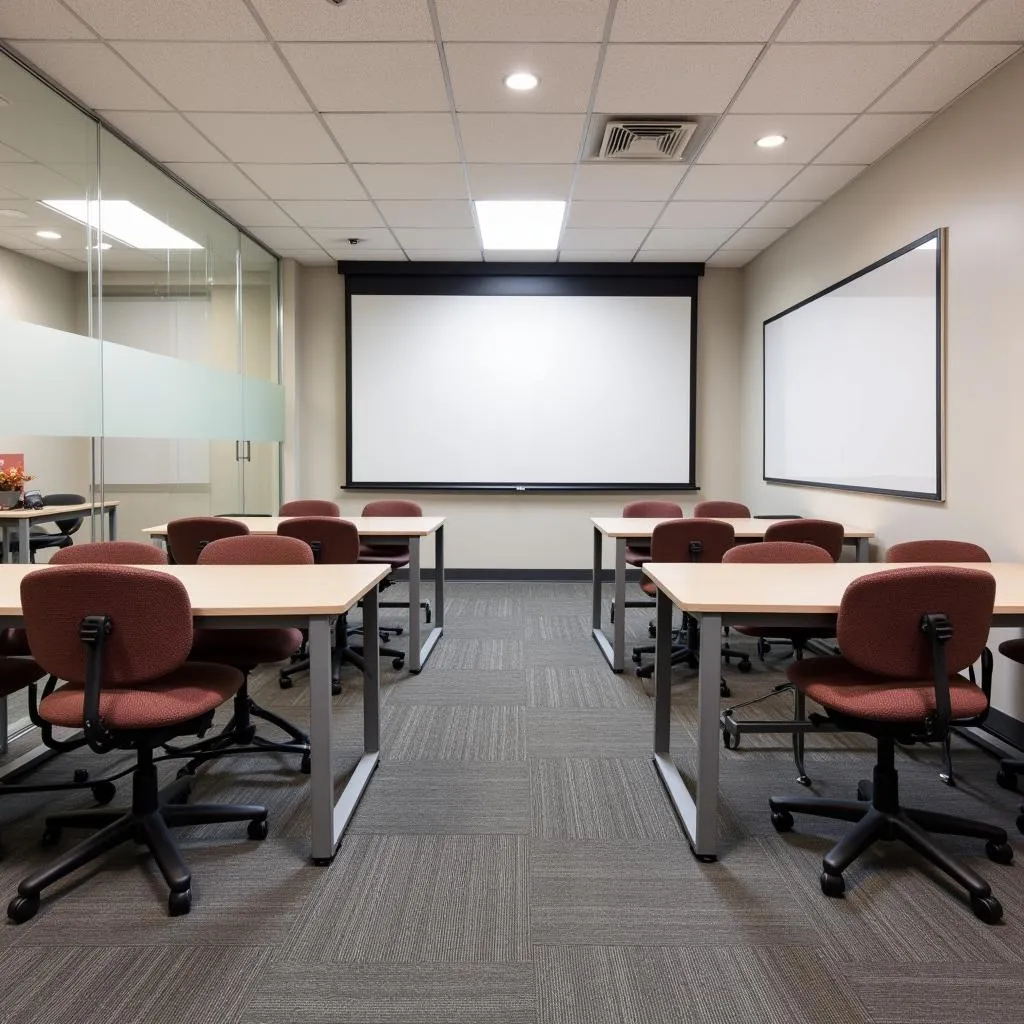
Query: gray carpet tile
x,y
506,604
556,653
395,994
584,686
413,899
482,654
557,627
460,686
589,732
465,732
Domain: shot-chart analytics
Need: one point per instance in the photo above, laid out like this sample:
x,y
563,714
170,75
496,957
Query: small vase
x,y
9,499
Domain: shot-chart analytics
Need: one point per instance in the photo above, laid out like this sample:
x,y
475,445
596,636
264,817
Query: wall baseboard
x,y
521,575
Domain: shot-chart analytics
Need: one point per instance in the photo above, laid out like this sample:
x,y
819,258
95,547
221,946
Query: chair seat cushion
x,y
189,691
245,648
1013,649
370,557
837,685
637,557
17,673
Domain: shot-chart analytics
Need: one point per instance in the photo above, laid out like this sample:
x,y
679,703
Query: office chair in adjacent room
x,y
187,537
41,538
906,635
777,552
721,510
120,636
310,507
638,549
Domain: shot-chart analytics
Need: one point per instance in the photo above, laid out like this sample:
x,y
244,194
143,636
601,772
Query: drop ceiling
x,y
310,123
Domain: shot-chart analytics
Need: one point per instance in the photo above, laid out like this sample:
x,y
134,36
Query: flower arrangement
x,y
13,478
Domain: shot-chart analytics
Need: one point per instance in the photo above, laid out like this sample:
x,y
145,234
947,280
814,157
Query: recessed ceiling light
x,y
124,222
522,81
771,141
520,224
48,234
102,245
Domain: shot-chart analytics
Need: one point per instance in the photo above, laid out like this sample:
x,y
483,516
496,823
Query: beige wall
x,y
965,171
527,531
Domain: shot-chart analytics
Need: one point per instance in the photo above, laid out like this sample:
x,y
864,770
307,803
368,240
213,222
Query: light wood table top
x,y
368,526
621,526
60,511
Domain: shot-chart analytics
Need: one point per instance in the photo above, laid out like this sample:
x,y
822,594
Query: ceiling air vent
x,y
645,140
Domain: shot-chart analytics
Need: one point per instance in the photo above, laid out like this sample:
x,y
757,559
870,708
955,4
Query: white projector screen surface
x,y
852,383
520,390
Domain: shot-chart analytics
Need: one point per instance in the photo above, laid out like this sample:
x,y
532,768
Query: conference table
x,y
20,521
622,529
753,594
395,529
308,597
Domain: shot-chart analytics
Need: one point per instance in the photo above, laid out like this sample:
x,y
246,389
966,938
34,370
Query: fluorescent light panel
x,y
123,221
518,224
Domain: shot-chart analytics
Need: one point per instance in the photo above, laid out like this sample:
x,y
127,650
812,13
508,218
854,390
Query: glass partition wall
x,y
139,332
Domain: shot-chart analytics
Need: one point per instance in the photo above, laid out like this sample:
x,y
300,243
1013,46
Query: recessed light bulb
x,y
48,234
771,141
522,81
102,245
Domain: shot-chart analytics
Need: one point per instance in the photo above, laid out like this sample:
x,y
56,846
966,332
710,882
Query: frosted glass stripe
x,y
264,410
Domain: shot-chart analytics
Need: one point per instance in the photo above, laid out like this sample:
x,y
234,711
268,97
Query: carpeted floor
x,y
515,861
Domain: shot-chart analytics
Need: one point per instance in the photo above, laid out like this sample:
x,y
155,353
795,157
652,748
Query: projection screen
x,y
853,380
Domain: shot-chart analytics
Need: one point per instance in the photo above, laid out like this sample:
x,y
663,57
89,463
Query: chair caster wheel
x,y
81,775
762,649
426,616
285,682
1001,853
783,822
179,903
1008,780
51,836
723,689
637,657
652,632
745,666
398,663
22,908
257,829
306,764
865,790
835,885
335,687
103,792
987,908
803,780
729,741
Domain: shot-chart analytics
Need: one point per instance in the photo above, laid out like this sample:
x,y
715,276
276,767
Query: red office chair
x,y
110,552
310,507
906,635
120,636
638,549
721,510
187,537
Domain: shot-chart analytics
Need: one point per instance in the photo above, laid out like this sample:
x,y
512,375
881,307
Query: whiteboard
x,y
520,390
853,381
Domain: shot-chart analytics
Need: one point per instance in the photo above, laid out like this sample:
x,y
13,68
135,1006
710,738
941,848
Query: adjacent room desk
x,y
21,520
623,529
762,594
303,596
404,529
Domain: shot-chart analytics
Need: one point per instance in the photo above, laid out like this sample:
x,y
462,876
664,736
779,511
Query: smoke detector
x,y
645,140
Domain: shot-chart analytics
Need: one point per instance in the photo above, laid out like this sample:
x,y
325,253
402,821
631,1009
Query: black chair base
x,y
1009,769
339,657
882,818
149,820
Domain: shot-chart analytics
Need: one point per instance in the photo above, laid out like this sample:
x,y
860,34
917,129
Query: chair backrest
x,y
879,623
256,549
822,532
67,526
691,540
151,619
110,552
778,551
392,507
332,541
937,551
652,509
187,537
721,510
310,507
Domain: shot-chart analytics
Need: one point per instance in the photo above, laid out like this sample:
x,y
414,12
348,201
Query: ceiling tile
x,y
671,79
313,20
754,238
819,181
781,214
437,238
158,19
521,138
94,74
724,21
564,21
478,70
613,215
287,238
216,181
256,213
395,138
869,21
943,75
394,255
39,19
995,21
596,256
310,213
215,76
521,256
623,182
734,139
734,181
34,181
165,136
520,181
447,255
732,258
307,257
305,181
432,213
263,138
673,255
369,76
869,137
602,238
687,238
708,214
795,78
336,240
12,156
413,181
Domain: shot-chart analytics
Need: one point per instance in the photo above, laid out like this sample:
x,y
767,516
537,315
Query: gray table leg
x,y
415,658
112,521
24,552
3,725
439,578
863,549
598,546
619,652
